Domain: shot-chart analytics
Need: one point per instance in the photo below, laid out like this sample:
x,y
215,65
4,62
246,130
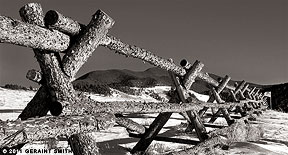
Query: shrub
x,y
15,87
93,88
149,82
124,89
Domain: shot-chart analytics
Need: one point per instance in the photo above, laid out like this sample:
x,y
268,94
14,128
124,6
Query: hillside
x,y
148,78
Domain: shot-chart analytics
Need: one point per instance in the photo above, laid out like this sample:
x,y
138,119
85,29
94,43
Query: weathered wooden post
x,y
220,88
162,118
54,78
237,98
57,73
216,94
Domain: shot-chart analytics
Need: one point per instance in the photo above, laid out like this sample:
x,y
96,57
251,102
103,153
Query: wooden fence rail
x,y
76,114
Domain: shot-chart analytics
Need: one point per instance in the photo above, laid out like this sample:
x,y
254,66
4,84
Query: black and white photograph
x,y
144,77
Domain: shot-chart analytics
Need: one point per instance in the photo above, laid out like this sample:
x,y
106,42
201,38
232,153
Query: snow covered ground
x,y
116,139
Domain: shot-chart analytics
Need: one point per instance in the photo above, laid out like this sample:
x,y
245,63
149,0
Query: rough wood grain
x,y
16,132
88,145
56,82
195,119
82,49
34,75
130,125
191,75
87,106
57,21
19,33
133,51
122,48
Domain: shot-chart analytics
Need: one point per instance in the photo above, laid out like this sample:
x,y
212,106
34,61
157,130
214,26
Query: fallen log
x,y
16,132
19,33
130,125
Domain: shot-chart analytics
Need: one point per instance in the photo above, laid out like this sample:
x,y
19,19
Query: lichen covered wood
x,y
82,49
16,32
51,127
56,82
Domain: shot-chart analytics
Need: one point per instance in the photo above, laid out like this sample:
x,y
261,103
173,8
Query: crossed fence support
x,y
78,114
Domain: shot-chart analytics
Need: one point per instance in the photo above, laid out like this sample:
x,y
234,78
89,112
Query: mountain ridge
x,y
149,77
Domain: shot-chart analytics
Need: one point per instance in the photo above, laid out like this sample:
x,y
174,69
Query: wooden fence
x,y
75,115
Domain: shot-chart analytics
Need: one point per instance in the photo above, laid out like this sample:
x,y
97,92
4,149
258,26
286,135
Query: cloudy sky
x,y
246,39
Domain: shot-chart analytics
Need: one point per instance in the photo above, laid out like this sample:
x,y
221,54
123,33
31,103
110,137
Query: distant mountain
x,y
150,77
102,81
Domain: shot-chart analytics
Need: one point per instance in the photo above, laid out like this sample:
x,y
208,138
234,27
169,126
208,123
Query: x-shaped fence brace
x,y
78,115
